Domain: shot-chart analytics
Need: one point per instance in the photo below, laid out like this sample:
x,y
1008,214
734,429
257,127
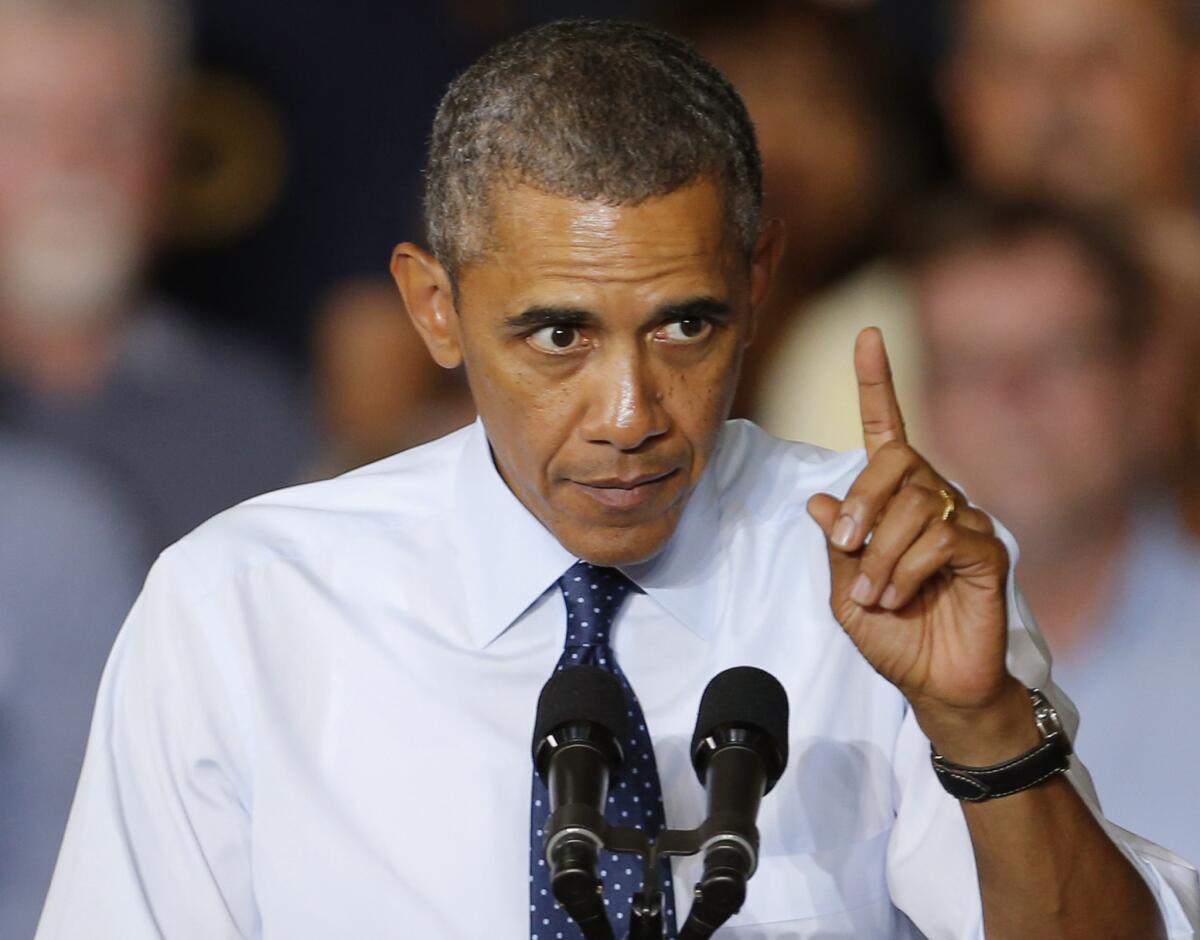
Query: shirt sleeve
x,y
930,833
158,841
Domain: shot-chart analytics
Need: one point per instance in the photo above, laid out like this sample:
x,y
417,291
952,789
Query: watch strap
x,y
974,784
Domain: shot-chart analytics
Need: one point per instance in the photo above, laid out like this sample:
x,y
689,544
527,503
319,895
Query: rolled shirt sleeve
x,y
931,867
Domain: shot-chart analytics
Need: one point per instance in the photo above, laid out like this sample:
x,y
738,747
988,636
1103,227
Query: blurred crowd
x,y
1010,189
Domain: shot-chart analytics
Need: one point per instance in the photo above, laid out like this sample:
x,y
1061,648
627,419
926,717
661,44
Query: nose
x,y
626,404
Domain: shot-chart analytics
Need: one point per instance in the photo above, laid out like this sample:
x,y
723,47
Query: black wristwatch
x,y
1052,756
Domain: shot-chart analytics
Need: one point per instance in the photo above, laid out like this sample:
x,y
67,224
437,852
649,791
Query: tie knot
x,y
593,596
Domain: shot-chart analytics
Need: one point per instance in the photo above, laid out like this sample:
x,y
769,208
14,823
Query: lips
x,y
626,493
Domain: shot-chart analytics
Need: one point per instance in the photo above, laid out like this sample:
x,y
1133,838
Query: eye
x,y
556,339
687,330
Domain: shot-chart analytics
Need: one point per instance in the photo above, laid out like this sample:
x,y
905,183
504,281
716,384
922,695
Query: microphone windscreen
x,y
745,697
581,693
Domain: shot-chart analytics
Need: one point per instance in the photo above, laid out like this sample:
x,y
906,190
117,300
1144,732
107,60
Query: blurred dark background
x,y
350,89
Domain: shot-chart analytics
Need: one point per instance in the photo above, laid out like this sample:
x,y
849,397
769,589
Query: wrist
x,y
983,735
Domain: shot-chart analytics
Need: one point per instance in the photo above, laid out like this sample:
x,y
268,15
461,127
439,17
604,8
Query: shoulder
x,y
53,495
765,479
1163,565
62,520
167,349
388,508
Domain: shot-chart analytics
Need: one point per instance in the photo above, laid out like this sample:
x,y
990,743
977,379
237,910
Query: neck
x,y
66,363
1069,581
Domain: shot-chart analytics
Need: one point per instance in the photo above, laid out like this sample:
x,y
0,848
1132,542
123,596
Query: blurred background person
x,y
1090,103
1087,102
72,558
1045,395
123,423
188,421
378,391
1078,102
834,114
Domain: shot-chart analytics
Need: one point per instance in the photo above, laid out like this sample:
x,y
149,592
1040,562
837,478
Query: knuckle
x,y
915,498
982,521
897,450
945,535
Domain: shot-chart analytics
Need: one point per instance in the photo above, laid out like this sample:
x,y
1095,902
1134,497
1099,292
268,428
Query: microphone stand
x,y
719,894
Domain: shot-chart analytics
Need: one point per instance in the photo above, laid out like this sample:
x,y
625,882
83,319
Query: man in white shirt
x,y
316,720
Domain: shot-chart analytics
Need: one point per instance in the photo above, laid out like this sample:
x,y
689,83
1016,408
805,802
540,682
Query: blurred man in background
x,y
1045,398
125,425
1092,103
188,423
71,560
1088,102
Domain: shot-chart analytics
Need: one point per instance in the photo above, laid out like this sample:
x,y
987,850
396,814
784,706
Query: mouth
x,y
617,493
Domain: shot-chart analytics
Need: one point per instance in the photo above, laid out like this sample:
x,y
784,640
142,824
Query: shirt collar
x,y
685,578
508,559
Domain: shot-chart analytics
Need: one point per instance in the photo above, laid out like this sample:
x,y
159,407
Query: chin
x,y
615,547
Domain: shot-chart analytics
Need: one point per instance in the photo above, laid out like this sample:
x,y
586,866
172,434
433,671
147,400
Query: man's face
x,y
1029,399
81,149
602,345
1088,101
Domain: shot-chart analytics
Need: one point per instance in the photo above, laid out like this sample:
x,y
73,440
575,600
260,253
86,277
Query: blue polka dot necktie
x,y
593,596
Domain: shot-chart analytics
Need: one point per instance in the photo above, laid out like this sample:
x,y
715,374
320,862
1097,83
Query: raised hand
x,y
918,576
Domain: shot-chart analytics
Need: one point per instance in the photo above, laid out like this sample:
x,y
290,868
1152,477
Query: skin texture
x,y
633,395
1087,101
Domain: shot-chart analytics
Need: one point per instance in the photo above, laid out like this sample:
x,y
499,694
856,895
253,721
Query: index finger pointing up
x,y
877,404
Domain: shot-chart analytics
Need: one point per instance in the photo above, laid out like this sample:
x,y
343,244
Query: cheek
x,y
528,417
698,399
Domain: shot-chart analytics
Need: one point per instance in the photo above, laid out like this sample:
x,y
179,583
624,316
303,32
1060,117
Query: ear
x,y
764,261
429,296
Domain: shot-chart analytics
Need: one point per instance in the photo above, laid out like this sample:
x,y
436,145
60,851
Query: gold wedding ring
x,y
949,506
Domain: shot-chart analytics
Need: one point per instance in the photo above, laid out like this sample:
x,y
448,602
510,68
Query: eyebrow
x,y
692,308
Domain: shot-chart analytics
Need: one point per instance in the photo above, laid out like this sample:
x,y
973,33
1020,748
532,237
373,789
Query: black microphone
x,y
739,751
581,720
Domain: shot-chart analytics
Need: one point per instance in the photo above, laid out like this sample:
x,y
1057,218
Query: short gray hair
x,y
591,110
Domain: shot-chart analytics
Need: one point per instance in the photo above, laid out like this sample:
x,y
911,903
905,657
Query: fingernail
x,y
861,592
889,597
843,532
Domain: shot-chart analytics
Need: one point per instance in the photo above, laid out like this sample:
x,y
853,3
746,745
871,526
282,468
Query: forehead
x,y
539,241
1003,296
1066,23
47,52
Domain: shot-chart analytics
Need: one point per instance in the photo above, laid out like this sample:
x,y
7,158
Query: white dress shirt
x,y
316,721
